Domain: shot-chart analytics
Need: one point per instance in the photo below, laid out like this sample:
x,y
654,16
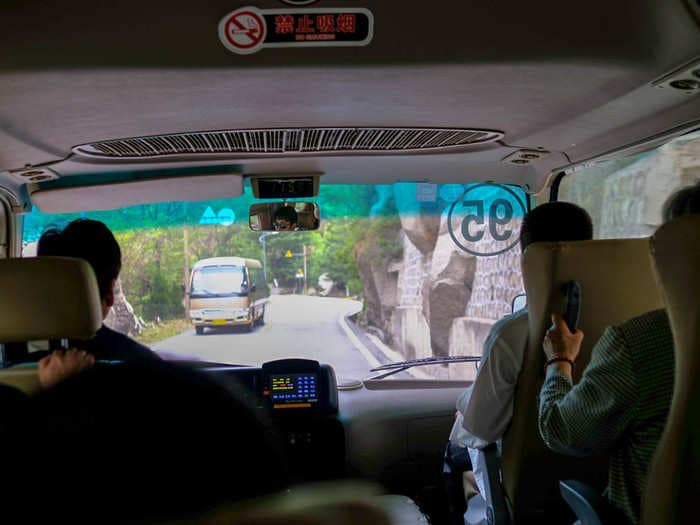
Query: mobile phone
x,y
572,304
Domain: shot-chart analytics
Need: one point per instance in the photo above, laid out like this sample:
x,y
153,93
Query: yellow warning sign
x,y
288,253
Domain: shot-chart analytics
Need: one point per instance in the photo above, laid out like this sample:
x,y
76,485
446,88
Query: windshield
x,y
394,272
218,280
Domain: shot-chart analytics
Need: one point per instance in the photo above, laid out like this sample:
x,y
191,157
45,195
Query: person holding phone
x,y
485,409
621,403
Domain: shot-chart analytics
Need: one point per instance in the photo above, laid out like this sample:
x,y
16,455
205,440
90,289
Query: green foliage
x,y
333,253
281,268
154,266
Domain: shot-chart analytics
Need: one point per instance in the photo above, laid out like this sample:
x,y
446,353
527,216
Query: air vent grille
x,y
289,141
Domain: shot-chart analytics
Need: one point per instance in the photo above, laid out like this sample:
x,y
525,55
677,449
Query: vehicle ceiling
x,y
575,79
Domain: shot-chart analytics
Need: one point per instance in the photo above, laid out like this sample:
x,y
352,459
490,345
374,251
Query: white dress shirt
x,y
486,407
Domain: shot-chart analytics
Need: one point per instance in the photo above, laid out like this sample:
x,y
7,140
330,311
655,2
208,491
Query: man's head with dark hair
x,y
92,241
683,202
555,222
285,218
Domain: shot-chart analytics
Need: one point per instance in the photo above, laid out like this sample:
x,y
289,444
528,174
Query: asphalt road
x,y
296,326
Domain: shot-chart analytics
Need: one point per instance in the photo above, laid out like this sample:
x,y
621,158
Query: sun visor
x,y
132,193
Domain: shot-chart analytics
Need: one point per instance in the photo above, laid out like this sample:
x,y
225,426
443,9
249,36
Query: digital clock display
x,y
285,188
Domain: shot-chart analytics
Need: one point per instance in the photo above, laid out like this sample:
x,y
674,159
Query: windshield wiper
x,y
395,368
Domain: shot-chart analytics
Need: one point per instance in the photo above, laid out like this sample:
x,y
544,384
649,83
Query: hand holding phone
x,y
572,304
558,345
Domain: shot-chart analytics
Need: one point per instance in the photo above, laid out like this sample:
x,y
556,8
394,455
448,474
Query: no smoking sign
x,y
243,31
249,29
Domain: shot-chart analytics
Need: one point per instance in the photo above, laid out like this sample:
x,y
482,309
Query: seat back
x,y
45,298
617,283
332,503
674,475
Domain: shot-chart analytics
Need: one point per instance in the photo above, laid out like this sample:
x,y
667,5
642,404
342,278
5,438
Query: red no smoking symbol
x,y
243,31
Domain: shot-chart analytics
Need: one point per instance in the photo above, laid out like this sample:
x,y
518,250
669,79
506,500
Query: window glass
x,y
395,272
625,197
217,280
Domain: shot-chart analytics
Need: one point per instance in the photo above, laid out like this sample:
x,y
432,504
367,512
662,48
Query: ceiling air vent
x,y
35,175
525,156
685,79
289,141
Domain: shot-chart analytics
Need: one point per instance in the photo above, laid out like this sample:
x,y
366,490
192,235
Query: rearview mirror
x,y
284,216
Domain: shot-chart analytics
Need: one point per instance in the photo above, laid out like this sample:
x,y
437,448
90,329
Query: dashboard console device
x,y
299,385
301,398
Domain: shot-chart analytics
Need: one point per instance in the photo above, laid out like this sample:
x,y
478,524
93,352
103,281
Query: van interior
x,y
432,129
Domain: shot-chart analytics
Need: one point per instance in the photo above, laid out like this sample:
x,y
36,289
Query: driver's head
x,y
555,222
92,241
285,218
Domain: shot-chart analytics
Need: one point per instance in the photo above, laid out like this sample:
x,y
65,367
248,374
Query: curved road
x,y
296,326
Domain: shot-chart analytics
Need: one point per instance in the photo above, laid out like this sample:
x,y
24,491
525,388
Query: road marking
x,y
392,355
369,357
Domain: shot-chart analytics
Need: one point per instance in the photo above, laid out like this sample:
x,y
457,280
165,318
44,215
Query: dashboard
x,y
301,387
389,431
300,398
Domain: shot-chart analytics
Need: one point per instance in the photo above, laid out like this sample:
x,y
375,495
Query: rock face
x,y
437,299
419,221
409,324
121,316
450,287
380,291
325,285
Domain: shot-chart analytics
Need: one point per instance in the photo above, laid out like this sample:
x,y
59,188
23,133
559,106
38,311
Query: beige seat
x,y
617,283
673,483
45,298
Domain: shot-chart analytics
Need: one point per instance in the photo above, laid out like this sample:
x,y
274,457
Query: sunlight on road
x,y
301,310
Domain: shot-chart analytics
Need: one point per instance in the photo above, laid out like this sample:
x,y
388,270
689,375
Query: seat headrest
x,y
675,250
676,253
48,298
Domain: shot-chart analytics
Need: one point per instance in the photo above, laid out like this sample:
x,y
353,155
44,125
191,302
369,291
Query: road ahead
x,y
296,326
